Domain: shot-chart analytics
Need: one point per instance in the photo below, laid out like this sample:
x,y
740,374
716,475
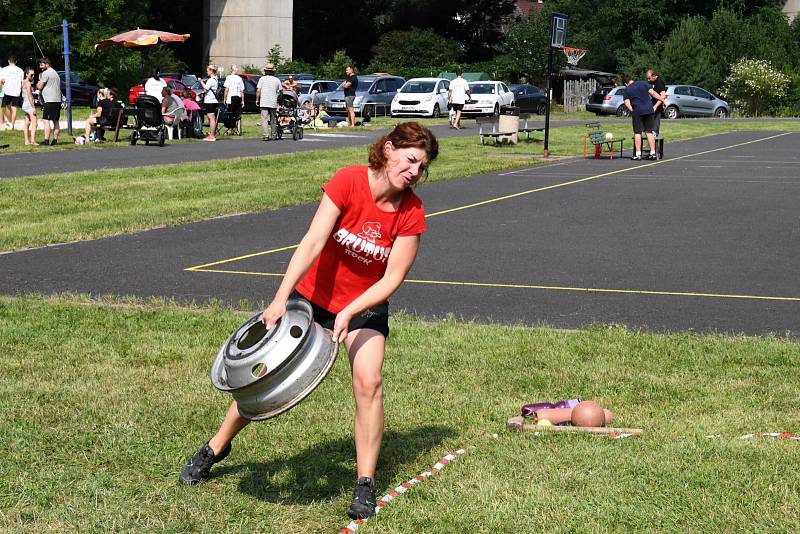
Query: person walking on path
x,y
11,78
637,100
267,91
350,86
356,253
29,108
210,102
50,88
659,87
457,96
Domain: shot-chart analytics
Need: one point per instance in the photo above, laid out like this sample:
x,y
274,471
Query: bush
x,y
754,84
333,69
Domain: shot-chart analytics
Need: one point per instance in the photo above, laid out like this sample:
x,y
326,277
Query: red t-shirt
x,y
354,257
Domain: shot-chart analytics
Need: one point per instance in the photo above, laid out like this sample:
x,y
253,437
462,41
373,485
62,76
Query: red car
x,y
176,85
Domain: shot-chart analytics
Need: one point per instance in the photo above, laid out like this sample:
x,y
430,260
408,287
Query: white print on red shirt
x,y
364,243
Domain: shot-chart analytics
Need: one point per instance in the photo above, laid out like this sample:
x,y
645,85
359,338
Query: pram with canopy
x,y
149,121
289,118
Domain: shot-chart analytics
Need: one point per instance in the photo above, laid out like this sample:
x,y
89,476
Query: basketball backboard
x,y
558,30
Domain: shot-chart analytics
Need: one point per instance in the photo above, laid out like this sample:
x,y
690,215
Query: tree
x,y
754,83
414,47
686,57
526,44
334,68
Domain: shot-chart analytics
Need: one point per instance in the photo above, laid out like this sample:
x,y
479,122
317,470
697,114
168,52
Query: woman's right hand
x,y
273,313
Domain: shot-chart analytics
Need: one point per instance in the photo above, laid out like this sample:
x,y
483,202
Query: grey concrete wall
x,y
792,8
243,31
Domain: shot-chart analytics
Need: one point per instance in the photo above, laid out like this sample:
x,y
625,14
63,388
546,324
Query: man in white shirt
x,y
457,96
267,91
154,86
234,90
11,79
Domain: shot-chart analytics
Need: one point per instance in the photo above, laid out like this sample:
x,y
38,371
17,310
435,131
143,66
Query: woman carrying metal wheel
x,y
357,251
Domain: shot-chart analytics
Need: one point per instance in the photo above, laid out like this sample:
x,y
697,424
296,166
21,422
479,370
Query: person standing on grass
x,y
457,96
659,87
357,251
637,100
210,103
350,86
29,108
50,88
267,91
234,90
11,78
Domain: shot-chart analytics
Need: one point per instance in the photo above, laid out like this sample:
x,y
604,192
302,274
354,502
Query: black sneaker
x,y
652,156
45,142
199,467
363,505
54,142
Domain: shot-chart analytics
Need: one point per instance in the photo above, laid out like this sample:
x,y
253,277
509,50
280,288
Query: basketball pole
x,y
549,98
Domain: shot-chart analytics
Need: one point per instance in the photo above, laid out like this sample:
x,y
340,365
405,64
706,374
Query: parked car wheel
x,y
436,111
622,111
671,112
541,109
720,113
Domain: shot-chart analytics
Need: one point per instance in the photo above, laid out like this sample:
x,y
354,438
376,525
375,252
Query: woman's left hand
x,y
340,325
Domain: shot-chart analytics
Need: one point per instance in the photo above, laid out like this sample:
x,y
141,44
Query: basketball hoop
x,y
573,54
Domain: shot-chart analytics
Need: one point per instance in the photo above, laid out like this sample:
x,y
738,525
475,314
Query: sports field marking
x,y
548,288
205,267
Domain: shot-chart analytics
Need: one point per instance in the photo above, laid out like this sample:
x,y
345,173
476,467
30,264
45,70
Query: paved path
x,y
706,240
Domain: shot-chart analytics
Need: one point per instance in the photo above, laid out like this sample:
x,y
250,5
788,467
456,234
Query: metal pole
x,y
67,76
549,97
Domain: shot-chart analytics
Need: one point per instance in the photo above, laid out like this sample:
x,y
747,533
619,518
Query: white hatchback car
x,y
421,96
488,98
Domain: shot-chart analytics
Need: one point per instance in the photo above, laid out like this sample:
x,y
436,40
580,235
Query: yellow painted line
x,y
553,288
515,195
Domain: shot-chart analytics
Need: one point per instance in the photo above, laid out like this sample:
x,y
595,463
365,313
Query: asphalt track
x,y
705,240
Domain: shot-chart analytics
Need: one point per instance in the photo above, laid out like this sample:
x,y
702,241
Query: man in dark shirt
x,y
659,87
350,86
637,100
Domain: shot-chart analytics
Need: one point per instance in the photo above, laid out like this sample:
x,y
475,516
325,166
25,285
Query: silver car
x,y
610,101
316,91
691,101
374,96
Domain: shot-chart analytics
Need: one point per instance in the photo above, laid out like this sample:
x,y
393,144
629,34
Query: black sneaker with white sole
x,y
199,466
363,505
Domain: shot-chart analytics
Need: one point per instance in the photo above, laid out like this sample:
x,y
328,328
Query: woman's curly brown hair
x,y
405,135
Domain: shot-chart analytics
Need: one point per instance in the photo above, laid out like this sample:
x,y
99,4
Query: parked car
x,y
529,98
81,92
487,98
316,91
692,101
300,76
608,100
373,95
176,85
421,96
186,79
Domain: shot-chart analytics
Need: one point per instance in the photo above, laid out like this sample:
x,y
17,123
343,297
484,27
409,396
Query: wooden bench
x,y
526,128
659,144
597,137
490,127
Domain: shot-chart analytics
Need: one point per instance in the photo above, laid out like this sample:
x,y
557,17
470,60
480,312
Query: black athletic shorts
x,y
210,108
15,101
642,123
375,318
457,107
52,111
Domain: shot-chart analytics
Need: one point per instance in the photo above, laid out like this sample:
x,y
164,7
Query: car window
x,y
380,86
534,90
504,87
701,93
417,87
620,91
394,84
74,78
682,90
171,84
482,88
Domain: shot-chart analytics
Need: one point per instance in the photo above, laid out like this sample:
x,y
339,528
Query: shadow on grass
x,y
322,472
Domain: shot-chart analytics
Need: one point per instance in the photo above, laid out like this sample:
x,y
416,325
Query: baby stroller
x,y
229,119
149,121
289,121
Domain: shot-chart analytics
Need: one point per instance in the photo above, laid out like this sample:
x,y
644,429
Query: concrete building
x,y
792,8
243,31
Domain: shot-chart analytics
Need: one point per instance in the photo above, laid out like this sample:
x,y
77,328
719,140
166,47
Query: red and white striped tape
x,y
778,435
404,487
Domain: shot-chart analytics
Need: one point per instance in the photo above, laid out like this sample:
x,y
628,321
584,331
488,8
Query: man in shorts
x,y
659,87
457,96
637,100
350,86
11,79
49,87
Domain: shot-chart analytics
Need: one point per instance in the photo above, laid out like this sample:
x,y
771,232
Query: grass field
x,y
103,401
88,205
